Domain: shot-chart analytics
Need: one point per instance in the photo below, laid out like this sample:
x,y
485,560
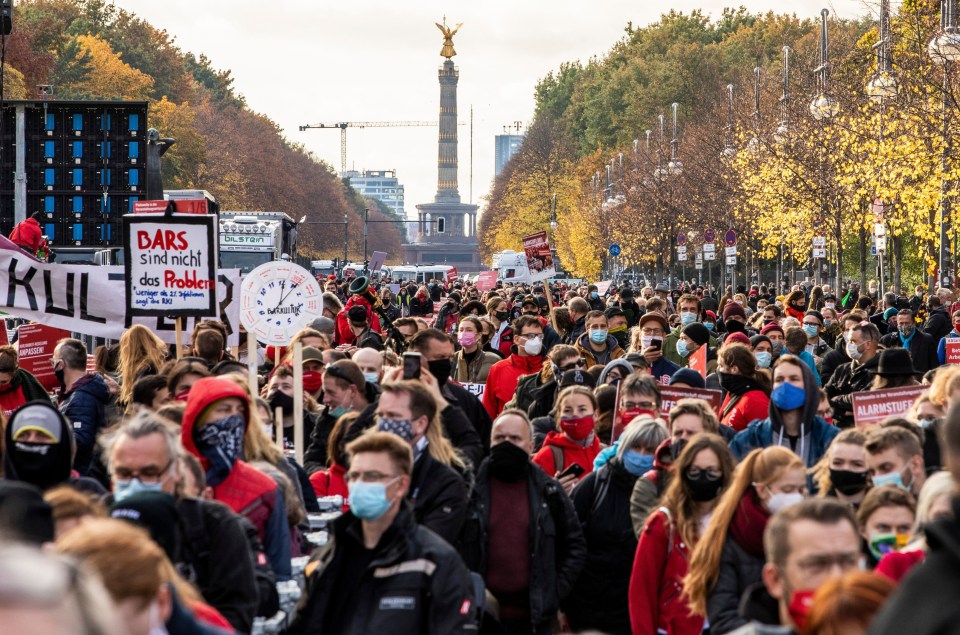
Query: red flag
x,y
698,361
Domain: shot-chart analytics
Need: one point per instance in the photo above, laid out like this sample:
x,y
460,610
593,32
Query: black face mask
x,y
281,400
58,372
508,462
848,483
440,368
41,464
733,326
503,316
734,384
702,489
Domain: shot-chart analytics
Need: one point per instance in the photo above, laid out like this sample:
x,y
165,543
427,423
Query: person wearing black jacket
x,y
856,375
833,359
522,534
938,322
922,347
381,571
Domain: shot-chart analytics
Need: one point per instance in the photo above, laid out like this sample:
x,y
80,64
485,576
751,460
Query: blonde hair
x,y
762,466
821,471
945,381
140,349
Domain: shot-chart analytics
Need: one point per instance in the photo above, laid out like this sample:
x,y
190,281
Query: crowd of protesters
x,y
497,461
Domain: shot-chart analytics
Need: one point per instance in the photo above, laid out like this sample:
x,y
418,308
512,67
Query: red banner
x,y
487,280
870,407
452,276
670,395
952,348
539,259
698,361
35,344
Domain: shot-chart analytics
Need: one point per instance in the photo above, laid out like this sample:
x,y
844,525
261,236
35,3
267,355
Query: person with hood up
x,y
792,420
39,450
17,386
596,345
362,297
214,422
83,398
28,236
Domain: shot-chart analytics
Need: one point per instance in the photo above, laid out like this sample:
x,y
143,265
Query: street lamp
x,y
823,105
754,144
945,45
780,135
883,85
553,215
729,150
660,172
675,166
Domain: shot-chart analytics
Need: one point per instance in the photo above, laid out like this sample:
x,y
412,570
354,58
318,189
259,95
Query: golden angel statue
x,y
447,51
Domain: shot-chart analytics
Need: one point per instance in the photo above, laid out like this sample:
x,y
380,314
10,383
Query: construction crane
x,y
343,125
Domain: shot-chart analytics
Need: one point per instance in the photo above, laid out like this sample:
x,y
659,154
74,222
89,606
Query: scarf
x,y
748,524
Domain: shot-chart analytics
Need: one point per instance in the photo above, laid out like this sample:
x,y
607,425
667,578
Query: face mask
x,y
882,544
687,318
647,340
577,428
368,501
594,295
811,330
440,369
848,483
853,351
682,348
906,330
847,335
503,316
279,399
733,326
788,397
776,347
182,396
828,322
893,478
467,339
799,607
58,372
628,416
312,381
830,305
403,428
782,501
125,489
508,462
221,443
636,463
338,412
620,333
764,358
386,301
709,325
702,488
41,464
926,422
371,378
533,346
598,336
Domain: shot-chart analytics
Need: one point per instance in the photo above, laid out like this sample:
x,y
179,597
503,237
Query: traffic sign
x,y
731,251
730,238
615,249
881,244
819,252
879,230
709,248
709,235
731,260
709,255
878,209
699,263
682,249
681,238
682,256
819,241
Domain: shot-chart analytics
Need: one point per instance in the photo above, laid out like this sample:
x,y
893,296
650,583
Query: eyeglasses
x,y
580,363
369,477
642,405
651,331
147,475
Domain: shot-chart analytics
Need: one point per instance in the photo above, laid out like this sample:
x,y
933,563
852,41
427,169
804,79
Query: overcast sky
x,y
309,61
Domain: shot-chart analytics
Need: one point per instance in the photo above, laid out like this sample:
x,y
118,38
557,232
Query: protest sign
x,y
377,260
475,389
35,345
170,265
870,407
952,348
452,275
603,287
487,280
539,259
698,361
670,395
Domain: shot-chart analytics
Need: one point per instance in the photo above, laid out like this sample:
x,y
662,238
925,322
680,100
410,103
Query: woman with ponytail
x,y
728,559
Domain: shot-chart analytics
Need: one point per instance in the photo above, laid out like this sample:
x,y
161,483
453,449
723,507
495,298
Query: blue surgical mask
x,y
594,295
709,325
786,396
893,478
636,463
764,358
369,501
372,378
123,490
682,348
598,336
403,428
687,318
811,330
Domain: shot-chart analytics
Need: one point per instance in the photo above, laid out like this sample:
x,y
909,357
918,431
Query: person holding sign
x,y
954,334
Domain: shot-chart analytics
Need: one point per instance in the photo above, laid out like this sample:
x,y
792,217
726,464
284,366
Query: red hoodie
x,y
752,405
247,491
573,452
28,235
502,380
331,482
343,334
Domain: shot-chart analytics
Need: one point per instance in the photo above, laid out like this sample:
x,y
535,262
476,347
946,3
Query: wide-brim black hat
x,y
895,362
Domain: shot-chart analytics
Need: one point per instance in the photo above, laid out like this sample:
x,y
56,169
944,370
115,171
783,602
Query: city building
x,y
381,185
507,145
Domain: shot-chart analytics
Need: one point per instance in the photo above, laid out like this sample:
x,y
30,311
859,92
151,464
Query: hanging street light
x,y
823,105
883,85
729,150
780,135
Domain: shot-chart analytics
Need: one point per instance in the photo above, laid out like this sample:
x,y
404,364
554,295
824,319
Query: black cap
x,y
154,511
577,377
697,332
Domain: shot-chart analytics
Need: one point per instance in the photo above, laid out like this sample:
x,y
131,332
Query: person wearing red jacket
x,y
656,602
526,359
747,387
214,423
27,235
575,440
361,296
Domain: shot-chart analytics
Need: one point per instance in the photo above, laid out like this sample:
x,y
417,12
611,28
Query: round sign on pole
x,y
615,249
730,238
277,299
681,238
709,235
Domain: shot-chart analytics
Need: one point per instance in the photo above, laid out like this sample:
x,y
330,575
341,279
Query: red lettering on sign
x,y
189,281
163,239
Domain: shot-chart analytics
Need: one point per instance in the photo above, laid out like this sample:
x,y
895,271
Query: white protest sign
x,y
170,264
475,389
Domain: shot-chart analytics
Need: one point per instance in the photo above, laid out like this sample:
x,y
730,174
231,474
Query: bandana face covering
x,y
221,443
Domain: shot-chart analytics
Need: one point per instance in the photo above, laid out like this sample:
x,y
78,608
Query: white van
x,y
511,267
422,274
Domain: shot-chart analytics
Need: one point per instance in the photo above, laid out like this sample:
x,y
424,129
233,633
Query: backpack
x,y
196,548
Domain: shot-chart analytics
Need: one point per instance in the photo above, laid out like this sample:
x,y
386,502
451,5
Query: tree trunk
x,y
863,258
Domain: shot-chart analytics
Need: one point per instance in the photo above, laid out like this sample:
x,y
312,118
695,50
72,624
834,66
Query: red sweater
x,y
655,599
508,563
754,404
331,482
502,381
573,452
897,564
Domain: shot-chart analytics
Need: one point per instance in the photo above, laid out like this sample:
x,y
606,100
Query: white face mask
x,y
157,627
853,351
782,501
533,346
